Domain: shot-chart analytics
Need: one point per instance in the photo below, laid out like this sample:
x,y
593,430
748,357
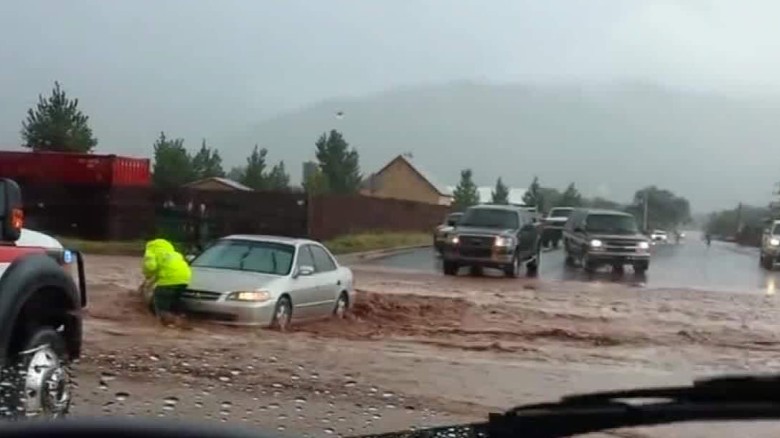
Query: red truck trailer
x,y
71,168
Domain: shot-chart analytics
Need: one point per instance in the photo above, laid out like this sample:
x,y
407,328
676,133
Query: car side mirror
x,y
189,258
578,230
11,211
303,271
451,223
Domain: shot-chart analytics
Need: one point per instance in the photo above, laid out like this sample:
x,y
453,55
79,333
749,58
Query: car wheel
x,y
342,305
513,269
767,263
588,264
450,268
641,268
40,384
282,315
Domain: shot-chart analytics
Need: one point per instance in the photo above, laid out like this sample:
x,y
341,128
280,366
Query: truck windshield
x,y
489,218
611,223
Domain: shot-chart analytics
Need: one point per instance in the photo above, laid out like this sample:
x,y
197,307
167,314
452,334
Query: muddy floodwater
x,y
419,349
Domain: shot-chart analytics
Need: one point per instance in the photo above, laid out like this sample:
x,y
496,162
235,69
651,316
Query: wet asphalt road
x,y
691,264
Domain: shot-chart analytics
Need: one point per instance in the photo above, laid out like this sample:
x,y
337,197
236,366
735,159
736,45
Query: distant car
x,y
267,281
605,237
659,236
493,236
441,231
552,231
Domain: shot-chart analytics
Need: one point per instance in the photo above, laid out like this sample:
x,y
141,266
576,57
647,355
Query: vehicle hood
x,y
227,280
633,237
483,230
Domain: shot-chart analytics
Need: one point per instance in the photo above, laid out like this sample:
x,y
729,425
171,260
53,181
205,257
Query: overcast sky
x,y
198,68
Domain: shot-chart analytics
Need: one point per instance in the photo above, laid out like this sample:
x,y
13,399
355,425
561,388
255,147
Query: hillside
x,y
610,140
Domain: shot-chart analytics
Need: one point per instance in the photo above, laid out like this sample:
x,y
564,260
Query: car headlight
x,y
454,240
503,241
255,295
643,245
596,243
774,241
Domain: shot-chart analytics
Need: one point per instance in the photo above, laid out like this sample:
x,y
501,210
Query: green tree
x,y
533,196
664,208
550,198
571,197
500,195
338,163
254,173
207,163
316,183
599,202
278,179
172,164
57,124
466,193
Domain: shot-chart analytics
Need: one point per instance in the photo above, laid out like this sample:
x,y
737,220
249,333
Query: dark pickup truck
x,y
552,231
40,317
493,236
605,237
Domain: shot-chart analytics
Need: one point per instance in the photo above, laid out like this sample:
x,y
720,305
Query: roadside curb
x,y
357,257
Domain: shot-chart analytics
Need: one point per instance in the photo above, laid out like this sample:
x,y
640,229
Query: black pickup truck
x,y
493,236
40,317
604,237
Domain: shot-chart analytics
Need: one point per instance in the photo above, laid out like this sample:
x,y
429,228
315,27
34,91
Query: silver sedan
x,y
267,281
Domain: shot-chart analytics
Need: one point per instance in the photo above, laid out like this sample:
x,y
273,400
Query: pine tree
x,y
254,173
533,196
207,163
466,193
338,163
500,194
56,124
571,197
172,164
278,179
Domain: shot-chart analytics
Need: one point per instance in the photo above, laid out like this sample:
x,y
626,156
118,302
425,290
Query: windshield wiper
x,y
719,399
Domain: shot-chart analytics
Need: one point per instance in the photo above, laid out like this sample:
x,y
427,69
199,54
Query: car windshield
x,y
245,255
611,223
489,218
560,212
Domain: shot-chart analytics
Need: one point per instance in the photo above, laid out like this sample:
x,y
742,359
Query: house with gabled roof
x,y
401,178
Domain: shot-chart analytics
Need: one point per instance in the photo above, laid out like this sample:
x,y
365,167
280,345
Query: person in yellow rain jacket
x,y
170,274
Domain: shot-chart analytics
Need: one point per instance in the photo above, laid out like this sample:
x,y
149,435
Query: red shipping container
x,y
69,168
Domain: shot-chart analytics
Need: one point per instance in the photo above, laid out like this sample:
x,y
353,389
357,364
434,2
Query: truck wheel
x,y
512,270
450,268
476,271
766,262
532,267
556,243
40,383
569,261
588,264
641,268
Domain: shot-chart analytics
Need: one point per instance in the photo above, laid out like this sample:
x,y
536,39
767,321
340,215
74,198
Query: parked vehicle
x,y
770,245
604,237
493,236
440,234
552,231
40,318
267,281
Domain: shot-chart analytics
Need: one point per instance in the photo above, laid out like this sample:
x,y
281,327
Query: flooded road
x,y
691,264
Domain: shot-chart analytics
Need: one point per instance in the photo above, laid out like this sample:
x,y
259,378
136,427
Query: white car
x,y
267,281
660,236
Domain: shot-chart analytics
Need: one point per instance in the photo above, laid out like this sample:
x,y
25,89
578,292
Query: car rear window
x,y
561,212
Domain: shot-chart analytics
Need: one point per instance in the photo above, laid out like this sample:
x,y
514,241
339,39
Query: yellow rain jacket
x,y
164,264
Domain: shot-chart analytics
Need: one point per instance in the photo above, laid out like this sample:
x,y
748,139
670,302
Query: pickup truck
x,y
493,236
605,237
552,231
40,315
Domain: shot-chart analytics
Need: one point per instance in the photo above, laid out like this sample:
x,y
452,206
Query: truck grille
x,y
477,241
200,295
621,246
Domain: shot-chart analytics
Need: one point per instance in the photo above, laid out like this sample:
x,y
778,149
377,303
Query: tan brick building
x,y
402,179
